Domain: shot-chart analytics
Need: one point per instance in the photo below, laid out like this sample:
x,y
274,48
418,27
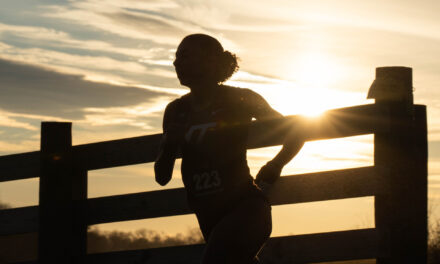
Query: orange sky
x,y
113,59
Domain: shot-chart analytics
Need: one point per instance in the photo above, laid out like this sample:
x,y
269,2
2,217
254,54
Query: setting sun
x,y
292,100
310,89
317,70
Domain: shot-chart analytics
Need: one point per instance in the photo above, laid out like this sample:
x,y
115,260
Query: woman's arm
x,y
293,141
272,170
170,143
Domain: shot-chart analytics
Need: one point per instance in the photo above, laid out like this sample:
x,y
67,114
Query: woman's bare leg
x,y
240,235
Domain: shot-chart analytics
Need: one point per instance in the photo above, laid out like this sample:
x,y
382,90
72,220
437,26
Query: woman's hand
x,y
163,170
269,173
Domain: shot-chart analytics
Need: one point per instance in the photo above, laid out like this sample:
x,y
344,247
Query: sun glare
x,y
306,102
314,85
315,76
317,70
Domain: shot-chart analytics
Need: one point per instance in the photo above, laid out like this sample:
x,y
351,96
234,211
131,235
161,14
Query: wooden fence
x,y
398,182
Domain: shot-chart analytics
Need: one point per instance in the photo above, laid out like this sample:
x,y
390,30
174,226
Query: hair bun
x,y
229,65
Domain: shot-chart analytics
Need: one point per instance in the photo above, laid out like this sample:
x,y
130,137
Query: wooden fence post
x,y
79,224
402,209
61,226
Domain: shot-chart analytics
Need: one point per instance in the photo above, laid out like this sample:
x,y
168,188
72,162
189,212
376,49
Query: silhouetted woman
x,y
233,213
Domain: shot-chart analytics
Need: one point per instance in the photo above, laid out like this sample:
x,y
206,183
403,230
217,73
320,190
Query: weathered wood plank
x,y
333,246
336,123
343,245
404,151
18,220
302,188
120,152
57,190
137,206
350,121
309,187
20,166
327,185
343,122
176,255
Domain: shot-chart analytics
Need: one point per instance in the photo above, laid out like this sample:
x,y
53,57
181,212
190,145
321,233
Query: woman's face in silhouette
x,y
194,64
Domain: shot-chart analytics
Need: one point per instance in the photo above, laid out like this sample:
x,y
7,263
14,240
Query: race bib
x,y
207,182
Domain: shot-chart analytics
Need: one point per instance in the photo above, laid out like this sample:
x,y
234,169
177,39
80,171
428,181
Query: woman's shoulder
x,y
245,95
182,99
179,103
232,89
238,91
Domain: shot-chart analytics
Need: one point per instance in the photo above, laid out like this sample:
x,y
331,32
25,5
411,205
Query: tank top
x,y
214,166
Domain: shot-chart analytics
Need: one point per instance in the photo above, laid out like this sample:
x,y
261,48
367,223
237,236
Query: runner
x,y
209,126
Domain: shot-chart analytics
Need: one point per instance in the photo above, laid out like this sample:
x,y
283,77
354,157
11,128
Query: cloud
x,y
151,5
48,37
34,90
96,59
146,24
10,122
76,63
420,20
125,21
434,149
7,148
160,23
58,49
132,115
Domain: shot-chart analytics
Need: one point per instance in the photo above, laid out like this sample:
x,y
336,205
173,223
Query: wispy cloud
x,y
7,121
123,20
74,63
51,38
33,90
135,116
18,147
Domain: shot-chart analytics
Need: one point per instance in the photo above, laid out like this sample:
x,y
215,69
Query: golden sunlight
x,y
317,70
313,85
315,77
291,98
308,101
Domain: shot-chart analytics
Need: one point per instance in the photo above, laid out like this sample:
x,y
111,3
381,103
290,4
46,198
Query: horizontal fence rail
x,y
19,220
342,245
343,122
299,249
309,187
303,188
20,166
